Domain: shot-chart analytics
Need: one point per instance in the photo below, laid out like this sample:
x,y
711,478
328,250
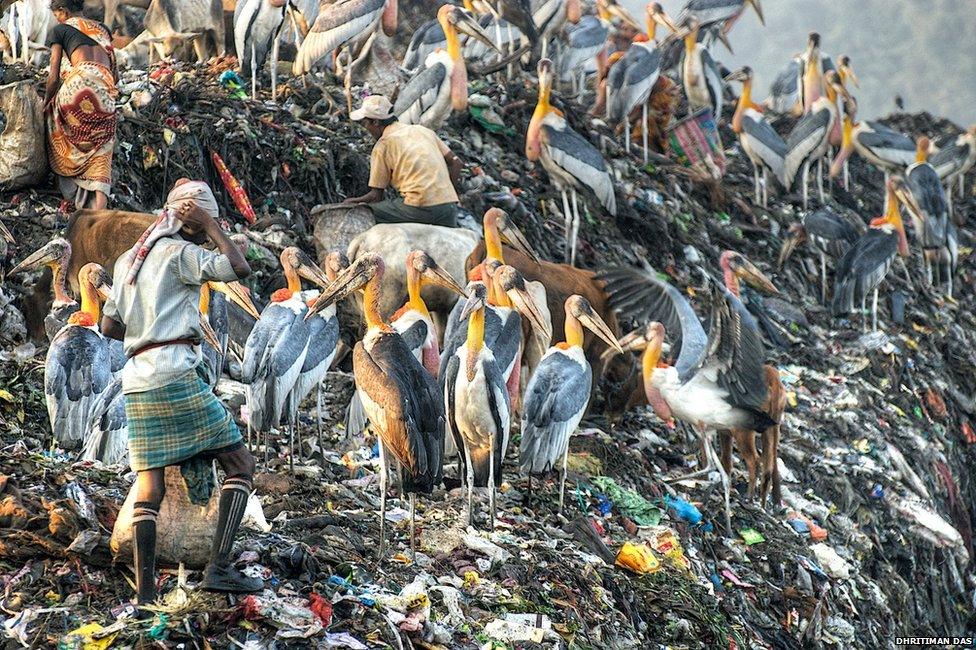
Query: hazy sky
x,y
923,49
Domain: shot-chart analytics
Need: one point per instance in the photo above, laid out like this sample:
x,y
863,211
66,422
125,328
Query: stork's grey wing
x,y
883,137
714,81
422,43
556,396
583,161
802,141
766,142
645,298
735,350
415,336
336,25
421,91
926,187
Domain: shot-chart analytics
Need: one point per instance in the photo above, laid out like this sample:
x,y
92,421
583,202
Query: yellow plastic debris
x,y
638,558
85,634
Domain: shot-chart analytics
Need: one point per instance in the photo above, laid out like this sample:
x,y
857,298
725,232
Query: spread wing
x,y
735,350
336,25
645,298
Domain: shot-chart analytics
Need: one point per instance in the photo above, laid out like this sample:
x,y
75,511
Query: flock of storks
x,y
457,389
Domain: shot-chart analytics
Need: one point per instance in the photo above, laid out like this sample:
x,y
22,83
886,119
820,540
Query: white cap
x,y
376,107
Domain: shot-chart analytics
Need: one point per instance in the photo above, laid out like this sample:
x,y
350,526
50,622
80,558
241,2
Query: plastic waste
x,y
638,558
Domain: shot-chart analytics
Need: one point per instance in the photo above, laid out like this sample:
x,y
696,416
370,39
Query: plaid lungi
x,y
177,422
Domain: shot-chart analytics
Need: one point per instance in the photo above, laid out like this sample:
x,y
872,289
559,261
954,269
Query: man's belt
x,y
160,344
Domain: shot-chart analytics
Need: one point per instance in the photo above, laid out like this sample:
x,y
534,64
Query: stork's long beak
x,y
848,71
724,37
351,279
753,276
907,199
442,278
102,283
239,295
633,341
209,335
618,11
311,272
738,75
44,255
759,12
6,234
529,309
512,236
475,302
598,326
789,245
468,25
300,21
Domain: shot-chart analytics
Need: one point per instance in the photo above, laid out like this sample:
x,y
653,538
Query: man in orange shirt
x,y
413,160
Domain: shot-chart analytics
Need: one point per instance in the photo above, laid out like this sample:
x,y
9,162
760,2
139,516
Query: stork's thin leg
x,y
511,48
470,477
765,189
726,483
627,134
806,172
847,177
413,526
491,480
528,492
382,501
347,84
298,437
567,225
250,428
545,48
576,226
820,186
755,183
823,278
644,130
874,312
318,418
254,71
562,482
864,313
275,52
291,447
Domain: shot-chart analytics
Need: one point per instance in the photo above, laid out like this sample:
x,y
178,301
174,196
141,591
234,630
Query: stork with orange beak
x,y
558,394
760,142
717,381
442,86
925,199
78,367
810,138
568,158
400,398
275,351
632,78
863,267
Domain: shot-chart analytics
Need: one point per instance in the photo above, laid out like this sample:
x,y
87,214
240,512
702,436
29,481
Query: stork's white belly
x,y
700,401
473,413
696,87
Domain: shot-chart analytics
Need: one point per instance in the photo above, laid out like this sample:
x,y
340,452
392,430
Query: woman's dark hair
x,y
71,6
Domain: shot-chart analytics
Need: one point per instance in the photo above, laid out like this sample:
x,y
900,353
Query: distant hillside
x,y
922,50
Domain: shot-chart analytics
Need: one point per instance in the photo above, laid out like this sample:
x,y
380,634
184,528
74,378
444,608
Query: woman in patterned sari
x,y
80,106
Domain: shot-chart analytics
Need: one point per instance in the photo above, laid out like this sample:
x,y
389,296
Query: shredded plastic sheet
x,y
628,502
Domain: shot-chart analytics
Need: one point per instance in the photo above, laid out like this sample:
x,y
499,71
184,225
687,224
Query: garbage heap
x,y
873,539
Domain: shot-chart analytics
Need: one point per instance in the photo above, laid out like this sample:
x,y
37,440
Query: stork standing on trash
x,y
569,159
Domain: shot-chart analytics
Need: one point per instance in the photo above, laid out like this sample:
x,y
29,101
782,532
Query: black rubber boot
x,y
144,553
219,574
224,577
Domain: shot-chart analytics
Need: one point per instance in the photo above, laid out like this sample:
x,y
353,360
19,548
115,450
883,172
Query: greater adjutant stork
x,y
863,267
257,25
955,160
344,24
926,202
568,158
442,86
551,16
586,43
760,142
275,352
828,233
558,394
400,397
632,78
700,75
810,138
477,405
78,368
717,381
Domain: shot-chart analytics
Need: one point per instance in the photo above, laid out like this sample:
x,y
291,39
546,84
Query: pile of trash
x,y
874,537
